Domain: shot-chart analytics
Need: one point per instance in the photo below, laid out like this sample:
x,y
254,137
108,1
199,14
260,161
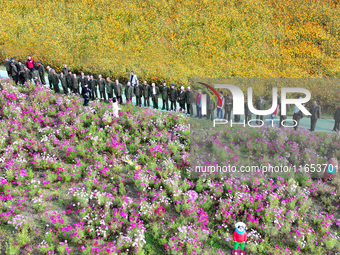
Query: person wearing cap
x,y
154,95
14,73
62,78
165,97
138,90
50,76
228,106
21,73
27,74
146,94
220,106
181,99
101,84
189,98
173,97
8,67
132,79
41,71
30,63
35,76
55,82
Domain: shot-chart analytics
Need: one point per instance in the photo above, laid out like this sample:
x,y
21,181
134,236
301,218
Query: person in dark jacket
x,y
101,84
128,92
69,82
119,91
109,88
41,71
50,76
30,63
35,77
55,82
189,98
14,73
86,94
165,97
21,73
199,104
93,82
154,95
27,75
228,106
210,108
315,110
66,69
173,97
82,81
337,120
138,90
62,78
181,99
75,84
260,105
247,113
283,117
8,67
146,94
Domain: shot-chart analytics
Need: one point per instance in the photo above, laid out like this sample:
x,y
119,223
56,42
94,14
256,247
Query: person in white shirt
x,y
133,79
154,95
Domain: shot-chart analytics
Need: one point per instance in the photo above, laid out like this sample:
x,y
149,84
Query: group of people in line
x,y
104,89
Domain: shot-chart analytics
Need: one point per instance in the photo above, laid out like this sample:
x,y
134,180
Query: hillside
x,y
176,40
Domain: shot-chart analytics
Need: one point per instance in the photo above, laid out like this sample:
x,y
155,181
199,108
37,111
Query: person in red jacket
x,y
240,237
30,63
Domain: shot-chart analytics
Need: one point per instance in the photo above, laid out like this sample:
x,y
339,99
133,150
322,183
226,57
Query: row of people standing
x,y
101,88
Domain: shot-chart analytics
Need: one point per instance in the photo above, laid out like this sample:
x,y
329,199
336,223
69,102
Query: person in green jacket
x,y
189,98
101,84
109,88
55,82
146,94
128,92
119,92
165,96
210,108
50,76
41,71
62,79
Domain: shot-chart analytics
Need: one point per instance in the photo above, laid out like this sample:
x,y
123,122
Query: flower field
x,y
76,180
175,40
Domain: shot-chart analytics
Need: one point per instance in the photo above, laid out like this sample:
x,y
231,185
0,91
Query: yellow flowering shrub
x,y
175,40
